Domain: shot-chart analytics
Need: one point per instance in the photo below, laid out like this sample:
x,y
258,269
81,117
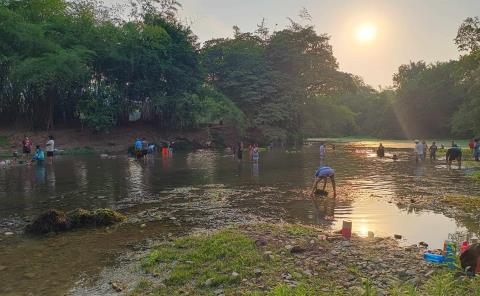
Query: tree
x,y
468,35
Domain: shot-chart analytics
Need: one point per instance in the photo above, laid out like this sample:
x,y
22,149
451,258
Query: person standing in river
x,y
476,150
433,151
323,173
322,150
27,147
381,151
240,151
50,147
425,149
419,149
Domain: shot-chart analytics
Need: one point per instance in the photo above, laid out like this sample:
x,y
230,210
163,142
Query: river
x,y
209,189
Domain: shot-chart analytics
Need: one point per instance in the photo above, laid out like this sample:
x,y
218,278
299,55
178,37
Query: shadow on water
x,y
207,189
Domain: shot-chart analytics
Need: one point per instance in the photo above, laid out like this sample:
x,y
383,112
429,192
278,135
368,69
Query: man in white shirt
x,y
419,149
50,147
323,150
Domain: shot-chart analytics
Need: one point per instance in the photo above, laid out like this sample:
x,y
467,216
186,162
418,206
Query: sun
x,y
366,33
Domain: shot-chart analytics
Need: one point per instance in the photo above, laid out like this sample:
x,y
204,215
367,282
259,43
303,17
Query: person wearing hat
x,y
419,149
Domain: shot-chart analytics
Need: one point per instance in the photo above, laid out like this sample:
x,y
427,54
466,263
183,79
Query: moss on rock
x,y
58,221
105,217
50,221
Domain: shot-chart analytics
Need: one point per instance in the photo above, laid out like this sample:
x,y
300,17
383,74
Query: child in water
x,y
323,173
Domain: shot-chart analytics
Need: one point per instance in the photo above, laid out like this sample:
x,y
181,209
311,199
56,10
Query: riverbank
x,y
76,141
283,259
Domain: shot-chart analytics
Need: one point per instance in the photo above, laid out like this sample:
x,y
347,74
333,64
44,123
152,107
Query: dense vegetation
x,y
77,62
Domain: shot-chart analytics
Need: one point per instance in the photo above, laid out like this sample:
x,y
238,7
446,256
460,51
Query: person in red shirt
x,y
27,146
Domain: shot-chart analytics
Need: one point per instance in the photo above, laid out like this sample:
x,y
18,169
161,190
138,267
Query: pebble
x,y
117,287
143,225
208,282
235,274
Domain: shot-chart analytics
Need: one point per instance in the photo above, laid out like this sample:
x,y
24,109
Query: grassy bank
x,y
289,259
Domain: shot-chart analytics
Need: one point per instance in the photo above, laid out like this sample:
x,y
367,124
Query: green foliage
x,y
99,108
3,141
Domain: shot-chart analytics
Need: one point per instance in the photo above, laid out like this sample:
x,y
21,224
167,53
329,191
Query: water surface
x,y
207,189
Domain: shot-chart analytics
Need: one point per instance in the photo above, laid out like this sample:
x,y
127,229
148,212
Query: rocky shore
x,y
274,258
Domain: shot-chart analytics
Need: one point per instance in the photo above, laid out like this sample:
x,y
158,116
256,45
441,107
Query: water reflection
x,y
205,188
40,173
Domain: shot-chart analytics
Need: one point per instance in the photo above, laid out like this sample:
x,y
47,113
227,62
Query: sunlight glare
x,y
366,33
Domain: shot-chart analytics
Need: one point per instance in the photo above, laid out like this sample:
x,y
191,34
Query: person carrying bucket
x,y
323,173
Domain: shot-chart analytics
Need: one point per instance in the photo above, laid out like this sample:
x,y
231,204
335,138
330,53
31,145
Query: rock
x,y
297,250
117,287
208,282
346,243
8,233
50,221
288,247
29,275
2,267
218,292
143,225
423,244
334,253
257,271
430,272
235,274
261,242
322,237
312,242
356,290
397,236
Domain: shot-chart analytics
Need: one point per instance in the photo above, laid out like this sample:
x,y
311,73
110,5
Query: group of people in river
x,y
39,155
453,153
253,151
142,148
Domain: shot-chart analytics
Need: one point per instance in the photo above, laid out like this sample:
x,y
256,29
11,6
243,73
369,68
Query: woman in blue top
x,y
323,173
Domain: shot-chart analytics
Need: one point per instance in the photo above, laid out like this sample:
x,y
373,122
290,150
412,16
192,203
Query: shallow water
x,y
207,189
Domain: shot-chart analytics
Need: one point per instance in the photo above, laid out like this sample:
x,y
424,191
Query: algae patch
x,y
58,221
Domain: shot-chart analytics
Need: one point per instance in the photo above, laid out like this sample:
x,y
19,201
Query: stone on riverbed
x,y
50,221
58,221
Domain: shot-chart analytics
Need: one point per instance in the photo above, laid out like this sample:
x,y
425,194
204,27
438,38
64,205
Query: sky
x,y
406,30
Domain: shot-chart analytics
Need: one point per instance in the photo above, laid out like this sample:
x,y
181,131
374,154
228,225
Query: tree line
x,y
78,62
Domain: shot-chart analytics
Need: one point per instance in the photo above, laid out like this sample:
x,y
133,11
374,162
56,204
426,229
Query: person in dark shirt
x,y
454,153
381,151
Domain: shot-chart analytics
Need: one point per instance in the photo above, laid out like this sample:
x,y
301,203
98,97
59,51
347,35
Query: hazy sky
x,y
406,29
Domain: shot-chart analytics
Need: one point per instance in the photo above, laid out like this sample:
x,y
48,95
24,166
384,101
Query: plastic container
x,y
463,247
430,257
347,229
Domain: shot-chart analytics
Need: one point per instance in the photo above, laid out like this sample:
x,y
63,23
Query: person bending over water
x,y
323,173
39,156
454,153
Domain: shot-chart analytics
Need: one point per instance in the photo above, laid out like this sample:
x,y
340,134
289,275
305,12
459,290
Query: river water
x,y
208,189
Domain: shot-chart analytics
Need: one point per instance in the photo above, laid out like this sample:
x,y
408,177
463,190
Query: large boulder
x,y
50,221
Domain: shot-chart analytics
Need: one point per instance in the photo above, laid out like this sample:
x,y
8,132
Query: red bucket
x,y
347,229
